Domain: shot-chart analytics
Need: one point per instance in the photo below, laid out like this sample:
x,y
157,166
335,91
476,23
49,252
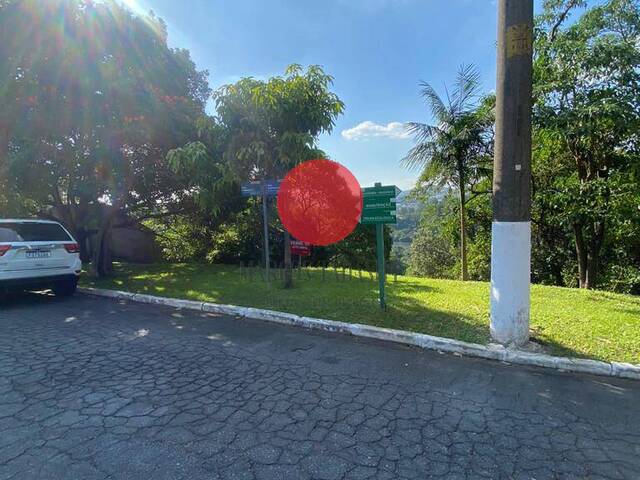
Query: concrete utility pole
x,y
511,229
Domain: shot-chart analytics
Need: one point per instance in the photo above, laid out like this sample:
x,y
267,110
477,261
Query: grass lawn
x,y
590,324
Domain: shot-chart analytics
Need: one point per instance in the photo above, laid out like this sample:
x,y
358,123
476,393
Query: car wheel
x,y
65,288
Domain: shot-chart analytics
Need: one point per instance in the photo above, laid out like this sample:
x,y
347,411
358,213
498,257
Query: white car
x,y
38,254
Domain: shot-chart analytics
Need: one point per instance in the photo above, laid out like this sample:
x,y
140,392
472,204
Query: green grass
x,y
590,324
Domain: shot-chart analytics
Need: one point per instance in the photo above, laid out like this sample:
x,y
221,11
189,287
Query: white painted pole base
x,y
510,282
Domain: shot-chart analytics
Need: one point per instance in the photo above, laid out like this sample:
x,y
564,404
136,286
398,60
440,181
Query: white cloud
x,y
369,129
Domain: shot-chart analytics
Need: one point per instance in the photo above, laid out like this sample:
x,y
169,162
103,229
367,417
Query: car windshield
x,y
32,232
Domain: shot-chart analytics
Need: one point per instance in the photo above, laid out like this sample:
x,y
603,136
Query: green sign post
x,y
378,208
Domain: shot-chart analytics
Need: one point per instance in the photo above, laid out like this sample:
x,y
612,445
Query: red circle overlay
x,y
320,202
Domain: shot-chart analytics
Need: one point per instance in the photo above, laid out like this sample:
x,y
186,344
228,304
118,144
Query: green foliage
x,y
456,150
240,238
432,253
586,163
358,250
261,130
622,279
211,188
451,150
479,212
408,214
93,99
238,241
181,238
273,125
234,238
101,117
587,89
435,251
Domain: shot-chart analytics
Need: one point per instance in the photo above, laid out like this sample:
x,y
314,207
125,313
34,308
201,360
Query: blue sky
x,y
377,50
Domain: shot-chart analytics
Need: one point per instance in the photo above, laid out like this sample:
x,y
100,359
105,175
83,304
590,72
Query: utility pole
x,y
511,228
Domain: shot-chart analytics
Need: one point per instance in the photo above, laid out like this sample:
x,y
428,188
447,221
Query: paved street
x,y
92,388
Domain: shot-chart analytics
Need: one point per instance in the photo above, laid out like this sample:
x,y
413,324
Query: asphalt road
x,y
92,388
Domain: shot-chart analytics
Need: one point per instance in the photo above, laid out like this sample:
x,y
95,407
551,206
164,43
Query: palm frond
x,y
434,102
451,150
419,156
466,88
451,110
422,132
435,173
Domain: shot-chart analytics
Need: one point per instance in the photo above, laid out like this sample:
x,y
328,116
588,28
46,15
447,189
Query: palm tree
x,y
449,151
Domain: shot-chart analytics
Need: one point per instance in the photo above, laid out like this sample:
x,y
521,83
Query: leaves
x,y
586,118
99,98
274,124
452,151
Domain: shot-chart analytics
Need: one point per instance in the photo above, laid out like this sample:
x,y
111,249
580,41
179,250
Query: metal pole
x,y
265,221
511,228
380,252
287,274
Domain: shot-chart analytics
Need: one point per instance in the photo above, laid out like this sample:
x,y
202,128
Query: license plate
x,y
39,254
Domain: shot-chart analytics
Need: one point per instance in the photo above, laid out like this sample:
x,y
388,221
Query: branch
x,y
563,16
160,214
477,194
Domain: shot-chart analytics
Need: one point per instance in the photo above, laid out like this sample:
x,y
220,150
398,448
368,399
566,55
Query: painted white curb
x,y
429,342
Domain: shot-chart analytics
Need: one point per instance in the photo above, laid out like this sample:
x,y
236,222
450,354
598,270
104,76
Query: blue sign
x,y
254,189
251,189
272,187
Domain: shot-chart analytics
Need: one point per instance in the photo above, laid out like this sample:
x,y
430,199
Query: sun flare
x,y
135,6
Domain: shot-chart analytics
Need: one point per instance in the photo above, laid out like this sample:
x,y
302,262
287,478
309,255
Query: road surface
x,y
95,388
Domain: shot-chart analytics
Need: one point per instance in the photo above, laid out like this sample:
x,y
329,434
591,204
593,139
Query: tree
x,y
357,250
587,90
96,99
431,253
273,125
456,149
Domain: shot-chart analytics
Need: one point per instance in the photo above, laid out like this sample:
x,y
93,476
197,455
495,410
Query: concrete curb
x,y
429,342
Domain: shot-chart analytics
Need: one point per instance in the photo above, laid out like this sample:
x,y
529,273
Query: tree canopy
x,y
585,185
268,127
94,100
455,150
587,118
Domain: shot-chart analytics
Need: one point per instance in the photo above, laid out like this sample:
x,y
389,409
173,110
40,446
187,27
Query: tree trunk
x,y
588,249
4,152
463,234
82,237
4,142
101,265
593,257
288,273
581,255
74,217
588,254
591,272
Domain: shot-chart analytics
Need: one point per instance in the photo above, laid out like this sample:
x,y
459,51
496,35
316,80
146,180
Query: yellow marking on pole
x,y
519,40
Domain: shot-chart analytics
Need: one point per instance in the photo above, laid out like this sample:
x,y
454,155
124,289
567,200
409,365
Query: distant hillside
x,y
408,214
408,211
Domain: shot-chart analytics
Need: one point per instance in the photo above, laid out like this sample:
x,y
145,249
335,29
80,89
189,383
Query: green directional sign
x,y
378,208
376,203
381,190
378,212
378,219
